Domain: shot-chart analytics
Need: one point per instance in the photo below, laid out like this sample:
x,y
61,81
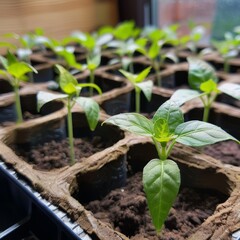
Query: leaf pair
x,y
138,81
203,80
72,89
15,71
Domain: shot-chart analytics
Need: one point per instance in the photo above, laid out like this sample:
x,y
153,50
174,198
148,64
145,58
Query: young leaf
x,y
69,58
146,88
154,50
91,109
161,181
199,72
181,96
196,133
45,97
231,89
209,86
19,69
132,122
66,81
142,75
161,131
128,75
171,112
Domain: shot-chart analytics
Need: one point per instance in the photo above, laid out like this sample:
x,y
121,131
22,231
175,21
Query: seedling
x,y
140,85
227,51
161,176
15,72
125,51
93,61
72,90
26,44
93,46
157,57
203,81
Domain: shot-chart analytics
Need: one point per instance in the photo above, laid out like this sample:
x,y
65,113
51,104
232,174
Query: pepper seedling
x,y
15,72
161,176
203,81
156,56
72,89
140,85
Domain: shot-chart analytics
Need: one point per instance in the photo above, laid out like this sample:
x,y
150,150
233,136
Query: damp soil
x,y
228,152
55,153
125,210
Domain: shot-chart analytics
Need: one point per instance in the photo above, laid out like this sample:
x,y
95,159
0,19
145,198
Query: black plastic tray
x,y
25,215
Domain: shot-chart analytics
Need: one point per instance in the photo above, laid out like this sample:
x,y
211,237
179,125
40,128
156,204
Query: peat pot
x,y
77,190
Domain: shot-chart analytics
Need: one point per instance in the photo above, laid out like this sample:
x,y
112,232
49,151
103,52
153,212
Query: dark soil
x,y
227,152
55,153
125,209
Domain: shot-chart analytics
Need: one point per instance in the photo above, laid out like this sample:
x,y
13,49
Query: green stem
x,y
91,81
18,104
206,112
131,69
164,151
70,131
137,99
158,147
226,66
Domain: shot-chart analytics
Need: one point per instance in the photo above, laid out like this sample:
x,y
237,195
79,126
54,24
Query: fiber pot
x,y
72,186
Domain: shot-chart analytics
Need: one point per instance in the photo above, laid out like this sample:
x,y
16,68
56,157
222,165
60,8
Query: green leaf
x,y
19,69
209,86
142,75
45,97
66,81
131,77
161,181
199,72
94,60
154,50
91,109
146,88
231,89
8,45
11,58
171,112
132,122
90,85
69,58
181,96
197,133
124,30
4,62
161,131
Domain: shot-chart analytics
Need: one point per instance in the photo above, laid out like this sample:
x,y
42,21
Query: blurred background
x,y
58,18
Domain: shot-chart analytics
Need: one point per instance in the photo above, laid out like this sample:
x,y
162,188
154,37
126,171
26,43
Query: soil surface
x,y
55,153
228,152
125,209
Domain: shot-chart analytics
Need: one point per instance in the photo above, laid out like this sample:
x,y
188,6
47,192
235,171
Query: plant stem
x,y
70,131
131,65
206,112
137,99
164,152
158,148
91,81
226,66
18,104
